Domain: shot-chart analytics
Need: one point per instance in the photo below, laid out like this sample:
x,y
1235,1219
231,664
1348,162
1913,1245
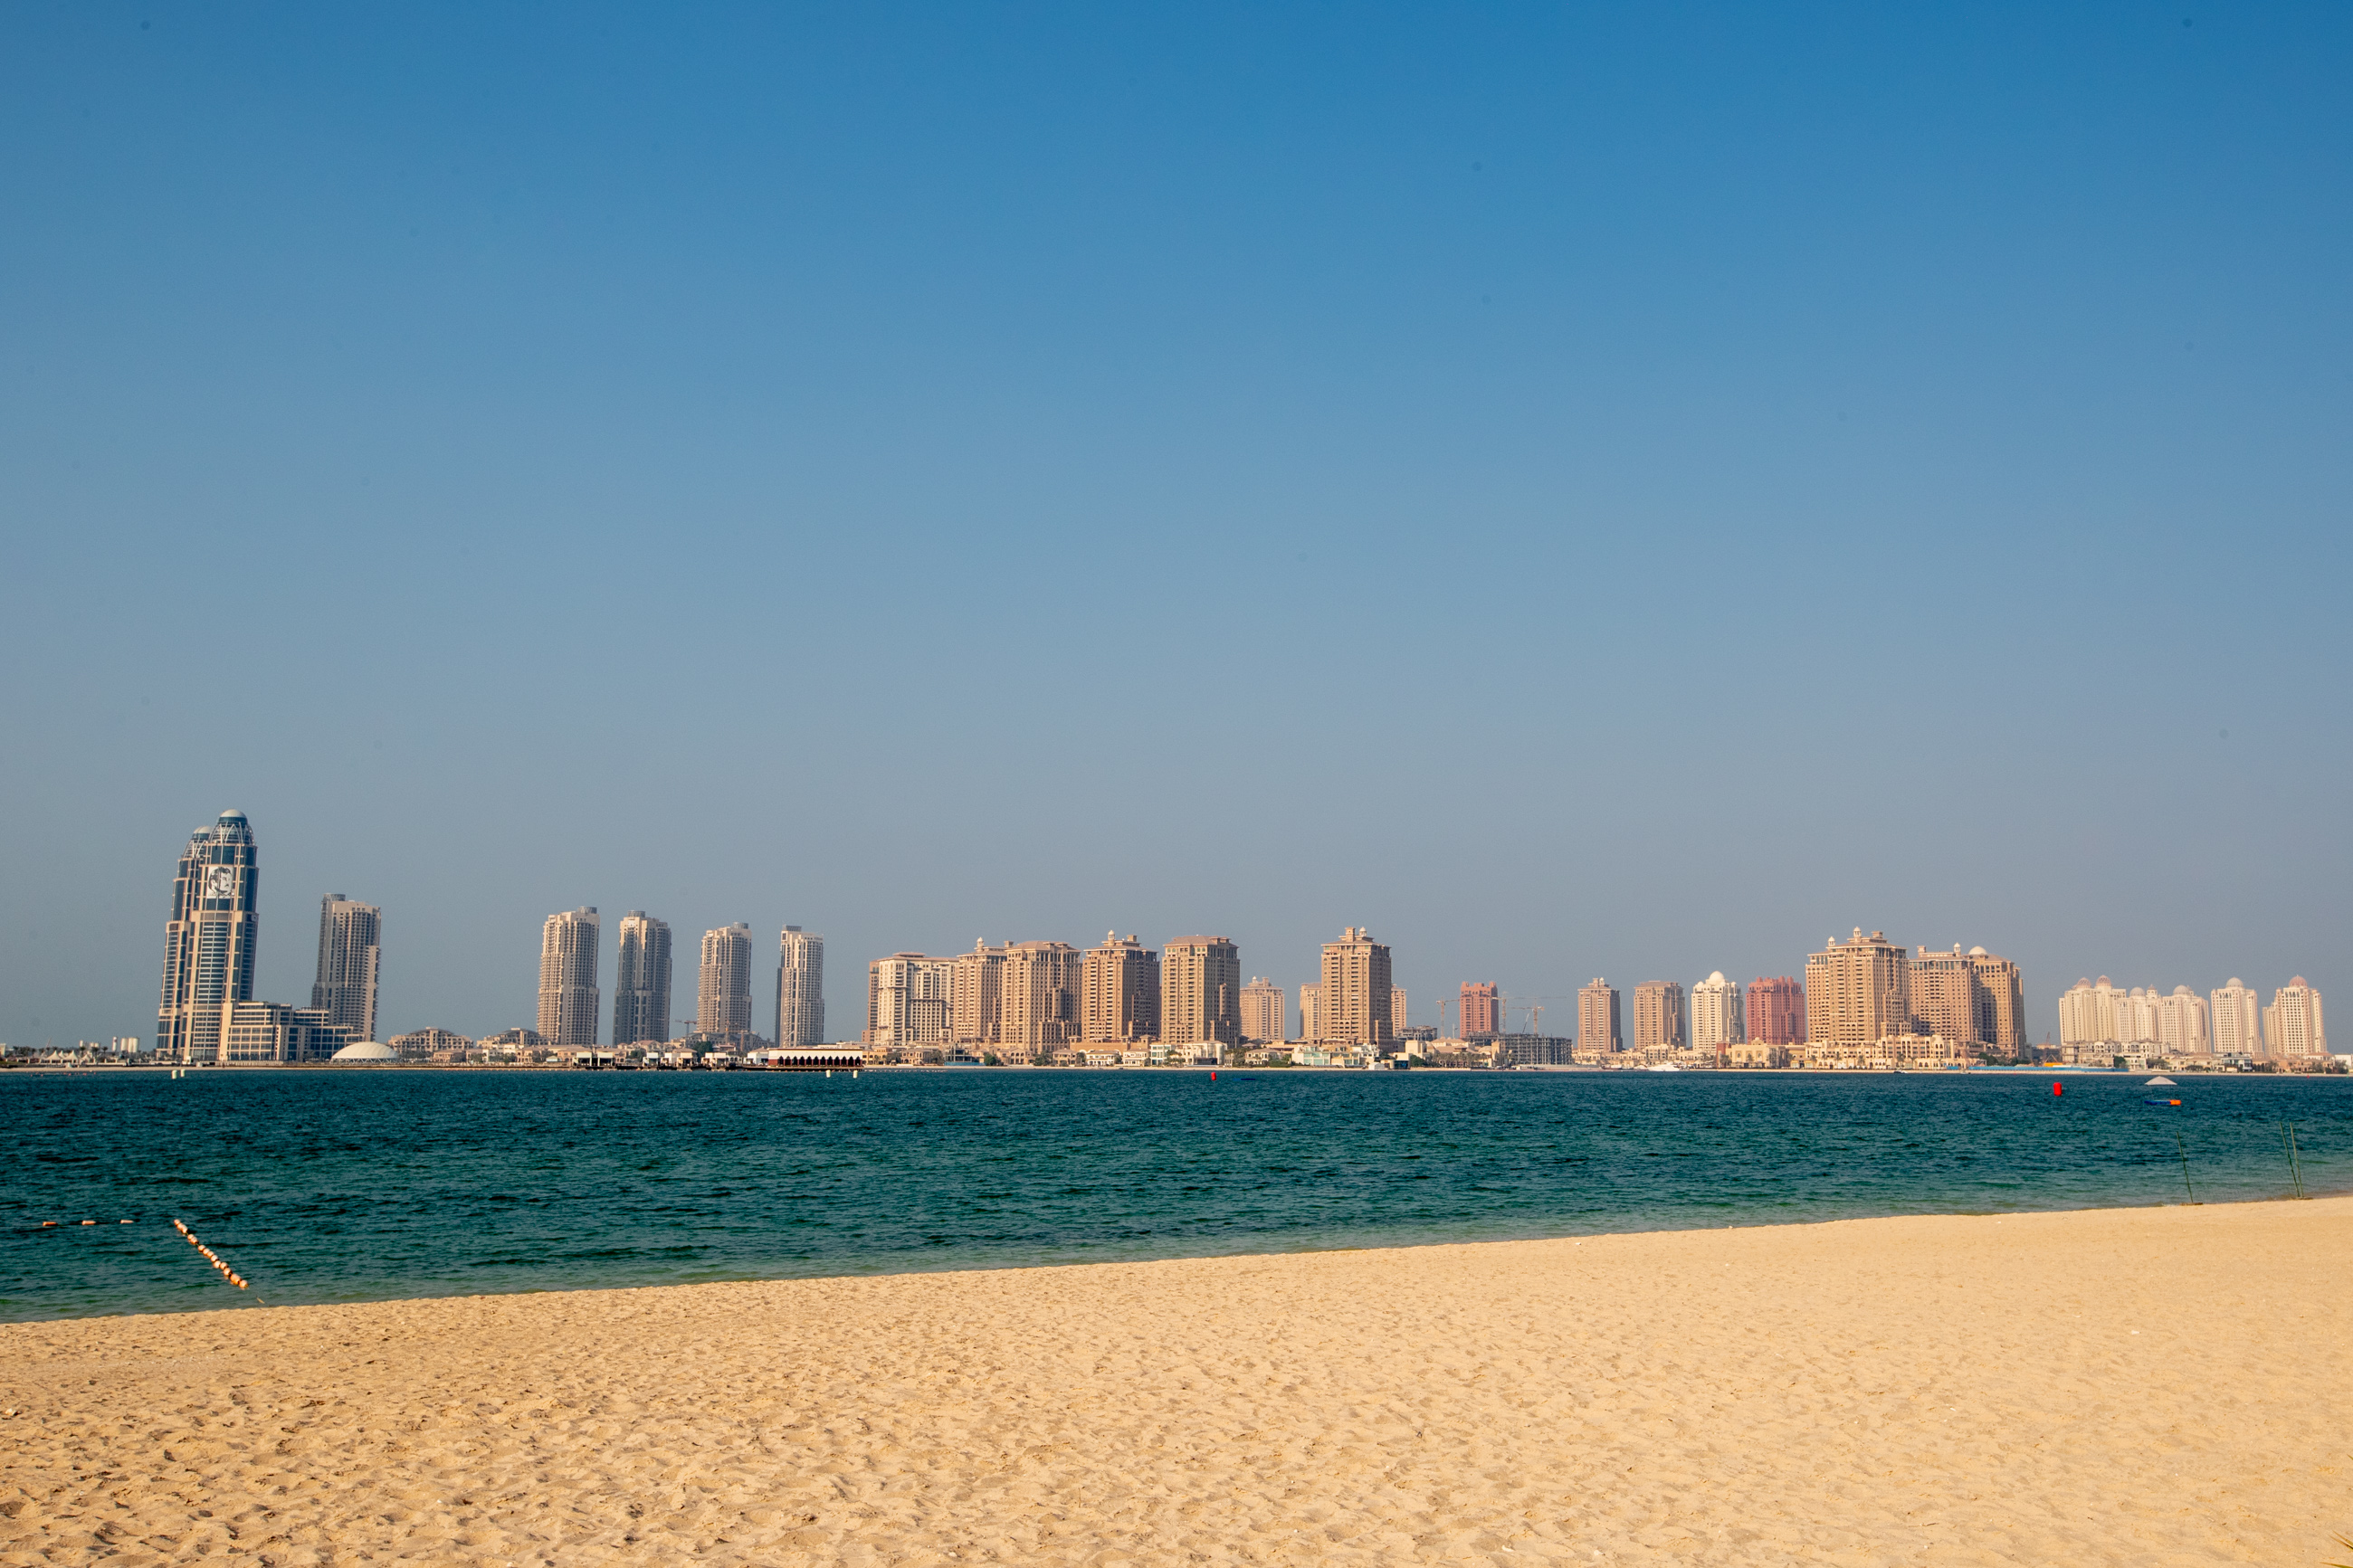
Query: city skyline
x,y
1546,399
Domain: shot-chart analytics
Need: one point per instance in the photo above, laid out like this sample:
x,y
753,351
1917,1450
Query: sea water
x,y
354,1185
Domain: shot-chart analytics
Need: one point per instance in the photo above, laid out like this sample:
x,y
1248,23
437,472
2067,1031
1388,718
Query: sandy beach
x,y
2144,1386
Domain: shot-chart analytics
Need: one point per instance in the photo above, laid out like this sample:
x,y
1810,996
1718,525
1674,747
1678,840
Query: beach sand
x,y
2143,1386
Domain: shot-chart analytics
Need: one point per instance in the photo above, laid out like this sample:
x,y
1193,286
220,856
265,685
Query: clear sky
x,y
1578,490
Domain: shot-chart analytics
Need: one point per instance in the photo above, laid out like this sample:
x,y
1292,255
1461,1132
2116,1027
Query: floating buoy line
x,y
215,1259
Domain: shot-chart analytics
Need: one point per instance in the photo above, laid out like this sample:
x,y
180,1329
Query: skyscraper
x,y
722,998
349,954
1310,1011
1483,1010
800,988
568,999
1201,991
1353,996
1968,996
208,942
2236,1019
976,995
1265,1011
1398,1009
2001,1002
2181,1024
1597,1019
1715,1012
641,974
2291,1024
1039,997
1776,1010
1858,992
907,997
1659,1015
1120,992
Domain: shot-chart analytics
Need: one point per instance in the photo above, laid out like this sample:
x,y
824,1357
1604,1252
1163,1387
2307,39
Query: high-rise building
x,y
209,943
568,999
1353,996
1597,1018
1265,1011
1483,1009
2236,1020
976,996
2291,1024
2087,1013
350,952
1398,1012
800,988
1119,991
2137,1016
1039,997
1776,1010
641,974
907,1001
1659,1015
2181,1024
2001,1000
1716,1013
722,998
1858,993
1201,992
1944,994
1310,1011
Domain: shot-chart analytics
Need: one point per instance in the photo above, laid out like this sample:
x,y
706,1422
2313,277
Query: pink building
x,y
1483,1009
1777,1011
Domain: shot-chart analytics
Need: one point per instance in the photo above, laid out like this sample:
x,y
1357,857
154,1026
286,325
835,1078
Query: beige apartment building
x,y
1120,992
724,994
1201,992
1598,1034
976,996
907,1002
1944,994
1716,1014
2236,1020
1657,1015
568,999
1354,994
1858,992
2291,1024
1310,1011
1039,997
1264,1012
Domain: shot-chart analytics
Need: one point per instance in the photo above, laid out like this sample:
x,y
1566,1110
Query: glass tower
x,y
209,941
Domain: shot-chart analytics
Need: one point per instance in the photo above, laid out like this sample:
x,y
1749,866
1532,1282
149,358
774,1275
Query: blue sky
x,y
1579,491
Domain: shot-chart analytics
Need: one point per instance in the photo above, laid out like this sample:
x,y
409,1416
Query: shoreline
x,y
2092,1386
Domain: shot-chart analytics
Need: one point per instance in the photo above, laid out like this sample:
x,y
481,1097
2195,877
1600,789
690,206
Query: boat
x,y
2159,1082
1663,1067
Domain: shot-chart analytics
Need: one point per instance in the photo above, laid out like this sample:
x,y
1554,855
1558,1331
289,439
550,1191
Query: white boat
x,y
2158,1083
1663,1067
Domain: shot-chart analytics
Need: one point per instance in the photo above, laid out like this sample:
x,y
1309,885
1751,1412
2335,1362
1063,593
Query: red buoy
x,y
2055,1089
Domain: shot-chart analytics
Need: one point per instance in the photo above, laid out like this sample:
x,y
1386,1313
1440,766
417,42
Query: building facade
x,y
426,1044
908,1002
1717,1014
1776,1010
800,989
208,942
2181,1030
1597,1030
641,977
265,1032
723,995
2236,1020
1039,998
1310,1012
1858,992
1944,994
2001,1002
1352,994
1481,1010
2291,1024
1119,985
976,996
1266,1014
349,956
1201,992
2087,1013
1659,1015
569,1002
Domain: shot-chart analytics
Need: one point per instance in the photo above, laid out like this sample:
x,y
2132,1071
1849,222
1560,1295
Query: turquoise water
x,y
350,1186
